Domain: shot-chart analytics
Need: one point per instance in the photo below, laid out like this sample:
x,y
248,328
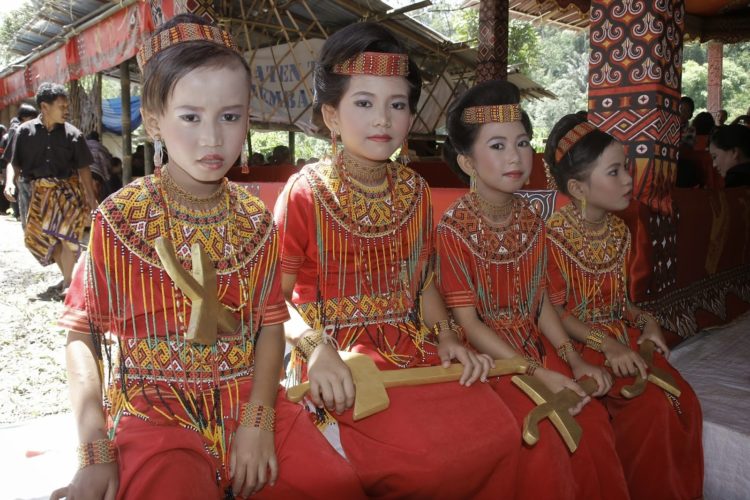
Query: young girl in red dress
x,y
491,266
356,246
658,435
191,409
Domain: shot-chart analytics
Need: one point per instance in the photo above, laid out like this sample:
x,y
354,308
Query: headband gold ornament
x,y
180,33
375,64
499,113
571,138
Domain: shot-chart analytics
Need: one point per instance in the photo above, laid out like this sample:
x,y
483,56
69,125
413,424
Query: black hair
x,y
688,100
49,92
26,111
703,123
461,136
347,43
728,137
93,135
578,161
742,120
162,72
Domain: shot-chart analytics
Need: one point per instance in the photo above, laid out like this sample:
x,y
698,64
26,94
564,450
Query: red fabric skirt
x,y
167,461
434,441
659,443
549,470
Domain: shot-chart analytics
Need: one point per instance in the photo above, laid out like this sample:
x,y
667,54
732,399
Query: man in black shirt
x,y
52,156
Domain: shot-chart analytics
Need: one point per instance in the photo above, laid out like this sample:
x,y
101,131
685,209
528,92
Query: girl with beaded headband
x,y
491,262
193,407
658,436
356,245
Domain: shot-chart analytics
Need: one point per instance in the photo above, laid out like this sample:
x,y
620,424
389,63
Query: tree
x,y
10,25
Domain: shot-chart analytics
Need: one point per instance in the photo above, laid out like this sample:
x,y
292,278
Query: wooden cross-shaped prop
x,y
207,314
656,375
555,406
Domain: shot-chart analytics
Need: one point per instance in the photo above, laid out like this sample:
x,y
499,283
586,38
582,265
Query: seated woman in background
x,y
730,152
704,124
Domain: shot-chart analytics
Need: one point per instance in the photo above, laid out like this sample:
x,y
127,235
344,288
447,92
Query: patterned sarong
x,y
57,215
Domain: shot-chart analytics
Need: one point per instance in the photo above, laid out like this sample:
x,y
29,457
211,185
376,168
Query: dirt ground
x,y
32,347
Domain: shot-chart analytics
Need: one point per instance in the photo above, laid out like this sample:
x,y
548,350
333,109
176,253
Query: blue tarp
x,y
112,114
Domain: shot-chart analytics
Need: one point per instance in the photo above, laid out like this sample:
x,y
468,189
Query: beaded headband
x,y
183,32
499,113
572,137
374,63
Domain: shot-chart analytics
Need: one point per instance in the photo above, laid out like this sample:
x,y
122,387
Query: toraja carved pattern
x,y
634,87
492,57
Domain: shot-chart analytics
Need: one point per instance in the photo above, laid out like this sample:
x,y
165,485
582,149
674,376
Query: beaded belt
x,y
159,360
361,310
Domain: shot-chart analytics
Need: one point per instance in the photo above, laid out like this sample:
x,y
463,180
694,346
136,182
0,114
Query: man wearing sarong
x,y
51,155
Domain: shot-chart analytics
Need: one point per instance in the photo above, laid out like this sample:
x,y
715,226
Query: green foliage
x,y
305,146
10,25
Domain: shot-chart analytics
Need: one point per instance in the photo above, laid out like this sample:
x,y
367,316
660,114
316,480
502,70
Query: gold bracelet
x,y
532,365
258,415
595,339
308,343
642,319
450,325
564,349
101,451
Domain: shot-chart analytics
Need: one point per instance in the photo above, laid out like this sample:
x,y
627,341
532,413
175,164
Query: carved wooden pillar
x,y
492,57
715,74
634,88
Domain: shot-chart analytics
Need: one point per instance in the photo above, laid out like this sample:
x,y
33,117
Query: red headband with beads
x,y
571,138
374,63
180,33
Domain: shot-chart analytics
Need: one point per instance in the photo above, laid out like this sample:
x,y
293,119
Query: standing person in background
x,y
17,191
51,155
686,110
101,166
723,116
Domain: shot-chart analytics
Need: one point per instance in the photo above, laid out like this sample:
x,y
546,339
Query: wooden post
x,y
492,56
127,152
292,155
98,98
715,73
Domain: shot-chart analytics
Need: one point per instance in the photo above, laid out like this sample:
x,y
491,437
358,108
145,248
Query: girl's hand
x,y
95,482
331,382
624,361
601,375
653,332
556,382
251,459
476,366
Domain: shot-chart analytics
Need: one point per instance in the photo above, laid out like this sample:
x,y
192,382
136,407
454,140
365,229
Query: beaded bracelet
x,y
448,325
532,365
308,343
642,319
595,339
258,415
564,349
101,451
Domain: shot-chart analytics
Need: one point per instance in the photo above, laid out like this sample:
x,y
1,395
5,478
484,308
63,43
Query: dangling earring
x,y
583,208
334,145
404,154
473,182
244,167
158,152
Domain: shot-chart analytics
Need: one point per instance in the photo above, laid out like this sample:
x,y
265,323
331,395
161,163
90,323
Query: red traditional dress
x,y
499,270
658,436
360,256
173,405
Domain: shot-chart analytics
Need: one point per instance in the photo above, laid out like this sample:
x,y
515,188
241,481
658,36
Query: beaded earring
x,y
245,168
583,208
403,156
158,152
334,144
